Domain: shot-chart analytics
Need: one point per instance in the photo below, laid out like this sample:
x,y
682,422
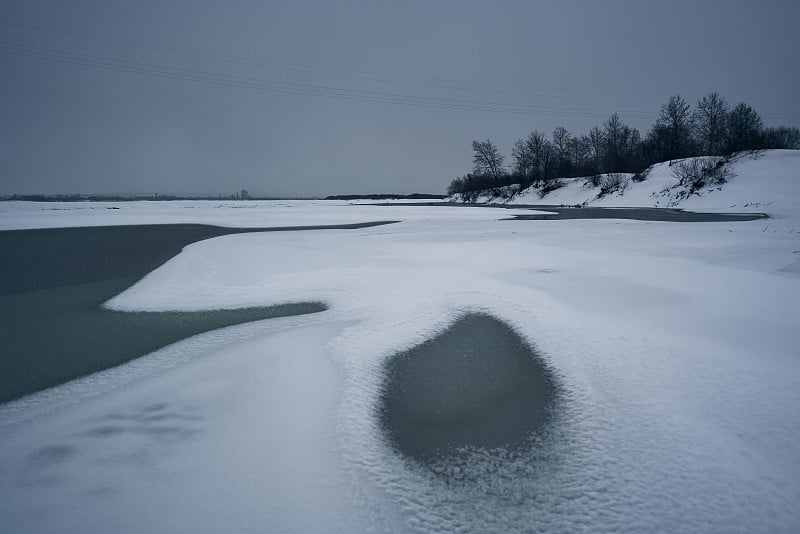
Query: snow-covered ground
x,y
767,181
244,213
675,346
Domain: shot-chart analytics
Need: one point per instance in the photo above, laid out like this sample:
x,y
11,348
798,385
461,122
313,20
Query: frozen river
x,y
54,282
670,348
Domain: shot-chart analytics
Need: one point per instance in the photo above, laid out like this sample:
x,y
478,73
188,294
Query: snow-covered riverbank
x,y
675,346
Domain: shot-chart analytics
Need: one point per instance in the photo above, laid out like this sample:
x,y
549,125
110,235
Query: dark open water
x,y
53,283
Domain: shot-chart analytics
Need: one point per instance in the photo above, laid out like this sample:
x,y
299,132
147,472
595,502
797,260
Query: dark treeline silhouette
x,y
713,128
386,196
77,197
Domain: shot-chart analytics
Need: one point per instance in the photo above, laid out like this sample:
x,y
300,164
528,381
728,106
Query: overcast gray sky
x,y
325,97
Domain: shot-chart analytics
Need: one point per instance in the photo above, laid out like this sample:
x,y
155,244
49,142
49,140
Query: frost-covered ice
x,y
256,213
675,347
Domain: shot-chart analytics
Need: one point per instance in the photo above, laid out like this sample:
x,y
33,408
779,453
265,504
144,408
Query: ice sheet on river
x,y
675,346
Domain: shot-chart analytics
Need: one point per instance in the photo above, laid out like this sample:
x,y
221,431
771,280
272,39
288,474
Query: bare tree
x,y
596,144
523,161
579,152
541,151
744,128
633,150
487,159
561,139
614,141
710,123
676,123
617,148
781,137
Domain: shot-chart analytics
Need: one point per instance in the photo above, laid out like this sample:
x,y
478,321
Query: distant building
x,y
244,195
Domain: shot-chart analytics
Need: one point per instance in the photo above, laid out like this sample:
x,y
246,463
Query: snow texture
x,y
675,347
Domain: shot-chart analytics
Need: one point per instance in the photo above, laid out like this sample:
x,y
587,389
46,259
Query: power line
x,y
430,82
322,87
167,71
328,71
277,86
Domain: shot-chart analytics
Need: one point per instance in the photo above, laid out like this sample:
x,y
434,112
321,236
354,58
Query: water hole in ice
x,y
476,387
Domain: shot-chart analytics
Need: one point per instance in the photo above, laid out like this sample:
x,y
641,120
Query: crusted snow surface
x,y
674,346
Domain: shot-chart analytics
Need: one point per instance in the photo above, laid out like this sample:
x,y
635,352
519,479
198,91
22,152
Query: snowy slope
x,y
675,347
767,181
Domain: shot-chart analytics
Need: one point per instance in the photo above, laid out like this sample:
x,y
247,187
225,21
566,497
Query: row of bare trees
x,y
712,128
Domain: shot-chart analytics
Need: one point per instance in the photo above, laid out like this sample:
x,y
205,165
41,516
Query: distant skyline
x,y
322,98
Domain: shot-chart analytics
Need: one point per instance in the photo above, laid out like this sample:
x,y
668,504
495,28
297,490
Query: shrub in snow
x,y
468,196
641,176
696,173
548,186
612,183
594,180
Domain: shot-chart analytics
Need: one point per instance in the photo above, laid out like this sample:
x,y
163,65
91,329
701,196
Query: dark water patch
x,y
591,212
53,283
387,196
58,334
638,214
477,386
32,260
